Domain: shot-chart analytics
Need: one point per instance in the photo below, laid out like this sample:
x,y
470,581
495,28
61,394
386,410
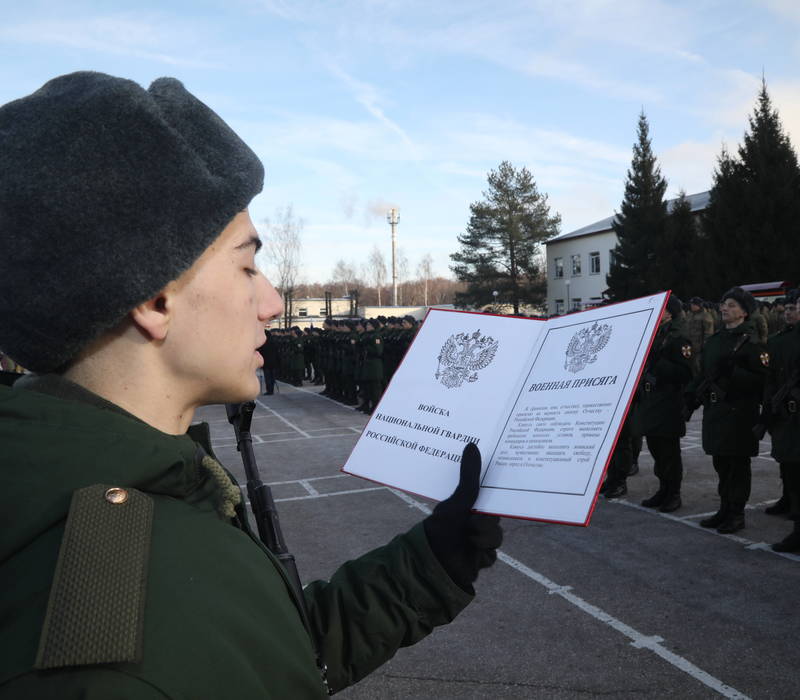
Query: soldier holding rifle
x,y
127,566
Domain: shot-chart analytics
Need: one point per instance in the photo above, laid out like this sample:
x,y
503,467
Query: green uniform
x,y
731,410
699,328
782,402
658,412
371,373
217,619
659,402
734,367
296,358
784,368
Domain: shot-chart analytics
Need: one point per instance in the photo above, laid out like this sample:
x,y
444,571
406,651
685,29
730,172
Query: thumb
x,y
467,490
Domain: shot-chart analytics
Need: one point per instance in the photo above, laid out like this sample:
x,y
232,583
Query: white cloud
x,y
787,9
689,166
367,96
120,35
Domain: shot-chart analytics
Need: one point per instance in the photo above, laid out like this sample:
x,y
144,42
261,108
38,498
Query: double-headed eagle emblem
x,y
584,346
462,355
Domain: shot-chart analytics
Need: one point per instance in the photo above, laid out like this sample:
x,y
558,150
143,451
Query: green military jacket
x,y
782,394
176,599
371,343
731,401
659,400
699,327
296,353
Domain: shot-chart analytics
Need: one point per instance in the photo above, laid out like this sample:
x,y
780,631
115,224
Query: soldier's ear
x,y
152,317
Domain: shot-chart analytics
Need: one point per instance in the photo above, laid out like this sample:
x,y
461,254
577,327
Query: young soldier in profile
x,y
127,568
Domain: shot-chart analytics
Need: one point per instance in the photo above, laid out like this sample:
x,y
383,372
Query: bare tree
x,y
345,275
403,273
425,274
282,252
375,270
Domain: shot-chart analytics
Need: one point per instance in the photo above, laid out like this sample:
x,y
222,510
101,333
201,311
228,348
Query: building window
x,y
576,304
559,307
576,265
594,263
302,311
322,311
559,263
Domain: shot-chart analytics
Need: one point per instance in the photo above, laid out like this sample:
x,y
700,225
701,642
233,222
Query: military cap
x,y
108,192
696,300
741,297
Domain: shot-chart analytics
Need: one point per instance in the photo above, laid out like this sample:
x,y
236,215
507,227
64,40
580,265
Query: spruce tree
x,y
500,249
640,223
676,250
753,216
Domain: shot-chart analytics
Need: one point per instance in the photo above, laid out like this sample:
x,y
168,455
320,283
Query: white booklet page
x,y
543,400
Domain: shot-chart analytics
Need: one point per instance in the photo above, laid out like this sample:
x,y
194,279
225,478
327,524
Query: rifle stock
x,y
240,416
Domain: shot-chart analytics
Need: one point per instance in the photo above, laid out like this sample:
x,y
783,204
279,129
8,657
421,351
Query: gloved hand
x,y
464,542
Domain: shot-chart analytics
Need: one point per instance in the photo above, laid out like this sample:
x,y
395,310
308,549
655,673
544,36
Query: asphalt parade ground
x,y
640,604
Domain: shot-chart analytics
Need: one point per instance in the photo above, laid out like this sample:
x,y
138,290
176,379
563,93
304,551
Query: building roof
x,y
698,202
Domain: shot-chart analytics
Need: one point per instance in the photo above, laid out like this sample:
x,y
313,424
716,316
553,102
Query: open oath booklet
x,y
543,400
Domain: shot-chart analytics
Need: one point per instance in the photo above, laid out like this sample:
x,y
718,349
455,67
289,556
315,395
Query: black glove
x,y
464,542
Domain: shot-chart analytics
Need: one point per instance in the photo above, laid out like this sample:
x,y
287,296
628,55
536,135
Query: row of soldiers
x,y
746,387
354,358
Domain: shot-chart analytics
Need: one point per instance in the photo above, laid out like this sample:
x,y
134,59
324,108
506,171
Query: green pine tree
x,y
676,250
500,250
753,217
640,223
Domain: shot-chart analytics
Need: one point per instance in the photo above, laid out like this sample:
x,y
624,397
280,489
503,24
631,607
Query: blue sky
x,y
356,106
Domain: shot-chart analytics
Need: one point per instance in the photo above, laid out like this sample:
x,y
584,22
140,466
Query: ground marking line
x,y
316,393
308,487
217,443
328,495
638,640
310,478
278,415
685,520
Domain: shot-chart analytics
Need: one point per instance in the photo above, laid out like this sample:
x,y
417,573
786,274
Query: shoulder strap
x,y
95,612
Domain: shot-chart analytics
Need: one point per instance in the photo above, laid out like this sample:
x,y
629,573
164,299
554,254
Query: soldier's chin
x,y
239,394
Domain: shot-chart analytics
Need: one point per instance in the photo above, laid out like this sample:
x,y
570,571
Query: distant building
x,y
309,312
578,262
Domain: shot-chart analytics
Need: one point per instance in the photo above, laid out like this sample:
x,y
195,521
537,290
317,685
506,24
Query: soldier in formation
x,y
780,415
730,387
658,409
699,327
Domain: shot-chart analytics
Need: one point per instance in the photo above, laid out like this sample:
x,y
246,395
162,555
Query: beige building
x,y
578,262
309,312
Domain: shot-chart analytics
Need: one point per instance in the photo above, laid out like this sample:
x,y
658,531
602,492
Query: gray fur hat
x,y
743,298
108,192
